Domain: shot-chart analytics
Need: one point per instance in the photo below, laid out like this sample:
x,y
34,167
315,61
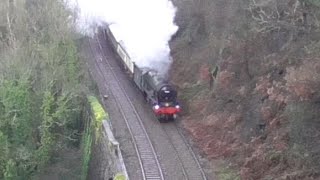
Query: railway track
x,y
148,160
149,163
184,152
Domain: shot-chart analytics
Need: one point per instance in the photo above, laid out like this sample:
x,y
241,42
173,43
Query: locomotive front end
x,y
167,106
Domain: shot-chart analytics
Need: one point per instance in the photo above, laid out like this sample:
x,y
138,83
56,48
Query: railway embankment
x,y
249,85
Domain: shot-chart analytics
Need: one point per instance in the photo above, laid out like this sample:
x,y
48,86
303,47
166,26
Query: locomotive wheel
x,y
171,118
166,118
161,120
174,117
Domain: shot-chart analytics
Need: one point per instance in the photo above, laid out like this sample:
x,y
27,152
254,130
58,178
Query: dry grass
x,y
262,112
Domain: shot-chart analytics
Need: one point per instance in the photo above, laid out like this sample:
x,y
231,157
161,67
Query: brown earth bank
x,y
259,111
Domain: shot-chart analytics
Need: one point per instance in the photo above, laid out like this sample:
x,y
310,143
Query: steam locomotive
x,y
154,86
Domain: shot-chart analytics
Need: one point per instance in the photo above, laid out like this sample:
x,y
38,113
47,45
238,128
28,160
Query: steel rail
x,y
148,159
191,151
177,153
174,138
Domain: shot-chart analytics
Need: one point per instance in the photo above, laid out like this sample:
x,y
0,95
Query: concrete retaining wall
x,y
106,161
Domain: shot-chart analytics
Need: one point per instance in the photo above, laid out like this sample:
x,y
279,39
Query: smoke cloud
x,y
144,27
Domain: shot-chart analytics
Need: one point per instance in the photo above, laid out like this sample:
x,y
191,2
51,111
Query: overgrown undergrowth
x,y
42,87
92,132
262,112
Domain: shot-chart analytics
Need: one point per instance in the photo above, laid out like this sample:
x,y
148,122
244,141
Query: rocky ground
x,y
259,118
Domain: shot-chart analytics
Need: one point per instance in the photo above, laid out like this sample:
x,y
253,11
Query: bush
x,y
41,98
304,131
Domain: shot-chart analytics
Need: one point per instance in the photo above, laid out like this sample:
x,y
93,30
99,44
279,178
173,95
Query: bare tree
x,y
275,15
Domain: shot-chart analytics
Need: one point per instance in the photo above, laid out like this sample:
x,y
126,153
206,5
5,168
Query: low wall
x,y
106,159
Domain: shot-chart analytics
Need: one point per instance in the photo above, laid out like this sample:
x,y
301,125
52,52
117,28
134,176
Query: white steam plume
x,y
144,26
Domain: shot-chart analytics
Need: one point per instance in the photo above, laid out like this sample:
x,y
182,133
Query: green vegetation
x,y
189,93
303,124
92,131
98,112
87,144
314,2
120,176
41,96
227,173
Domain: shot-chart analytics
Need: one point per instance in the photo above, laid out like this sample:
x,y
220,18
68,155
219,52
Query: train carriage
x,y
154,86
